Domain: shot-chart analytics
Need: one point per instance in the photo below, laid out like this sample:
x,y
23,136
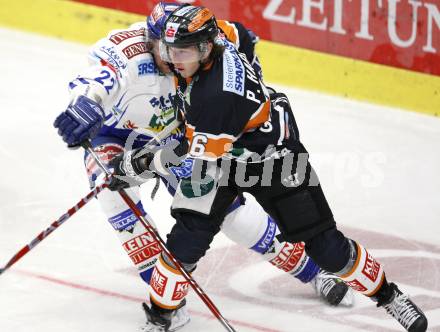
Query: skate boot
x,y
162,320
332,289
404,310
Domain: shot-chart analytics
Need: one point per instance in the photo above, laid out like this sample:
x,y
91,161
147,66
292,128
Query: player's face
x,y
161,65
186,60
186,69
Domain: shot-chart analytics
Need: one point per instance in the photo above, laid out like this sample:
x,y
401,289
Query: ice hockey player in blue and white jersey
x,y
120,102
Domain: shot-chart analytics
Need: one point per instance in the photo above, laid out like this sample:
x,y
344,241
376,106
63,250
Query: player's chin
x,y
182,72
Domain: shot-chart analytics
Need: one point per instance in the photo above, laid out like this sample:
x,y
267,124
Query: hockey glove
x,y
130,169
82,120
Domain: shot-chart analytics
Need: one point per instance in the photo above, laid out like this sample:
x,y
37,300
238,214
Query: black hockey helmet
x,y
189,25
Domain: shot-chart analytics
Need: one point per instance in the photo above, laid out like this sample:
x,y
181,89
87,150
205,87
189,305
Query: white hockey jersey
x,y
124,79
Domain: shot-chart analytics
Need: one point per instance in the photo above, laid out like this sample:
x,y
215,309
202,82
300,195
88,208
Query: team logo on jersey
x,y
113,58
124,35
165,113
233,71
135,49
147,67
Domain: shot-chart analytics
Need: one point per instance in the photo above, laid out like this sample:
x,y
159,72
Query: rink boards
x,y
283,64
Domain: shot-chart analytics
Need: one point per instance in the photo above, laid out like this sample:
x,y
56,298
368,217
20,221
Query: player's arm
x,y
138,165
213,138
244,40
242,105
91,91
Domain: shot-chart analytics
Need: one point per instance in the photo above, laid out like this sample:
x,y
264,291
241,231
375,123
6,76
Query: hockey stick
x,y
57,223
147,222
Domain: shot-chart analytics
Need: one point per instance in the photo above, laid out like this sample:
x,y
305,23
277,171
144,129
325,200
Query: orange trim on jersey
x,y
378,287
168,267
161,305
262,115
189,133
356,264
214,146
229,30
217,146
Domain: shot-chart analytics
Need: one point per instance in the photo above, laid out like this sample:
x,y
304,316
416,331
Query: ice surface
x,y
378,166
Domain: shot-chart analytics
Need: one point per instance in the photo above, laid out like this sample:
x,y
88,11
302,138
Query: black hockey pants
x,y
293,197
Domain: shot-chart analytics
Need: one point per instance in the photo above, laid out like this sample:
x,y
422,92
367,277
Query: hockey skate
x,y
169,321
332,289
405,311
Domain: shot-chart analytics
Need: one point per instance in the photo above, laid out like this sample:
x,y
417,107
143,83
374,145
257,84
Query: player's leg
x,y
303,214
136,241
249,225
363,273
296,200
188,241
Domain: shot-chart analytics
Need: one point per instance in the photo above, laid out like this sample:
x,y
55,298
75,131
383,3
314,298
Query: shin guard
x,y
362,273
138,243
168,287
136,240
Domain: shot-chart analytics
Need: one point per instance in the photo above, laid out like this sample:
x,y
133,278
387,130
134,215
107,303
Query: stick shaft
x,y
148,225
57,223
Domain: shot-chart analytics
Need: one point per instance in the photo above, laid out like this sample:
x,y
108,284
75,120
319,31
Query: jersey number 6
x,y
198,145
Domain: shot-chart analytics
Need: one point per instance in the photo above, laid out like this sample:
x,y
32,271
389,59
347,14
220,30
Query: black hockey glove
x,y
131,169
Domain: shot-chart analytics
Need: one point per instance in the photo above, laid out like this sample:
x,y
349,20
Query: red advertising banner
x,y
399,33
